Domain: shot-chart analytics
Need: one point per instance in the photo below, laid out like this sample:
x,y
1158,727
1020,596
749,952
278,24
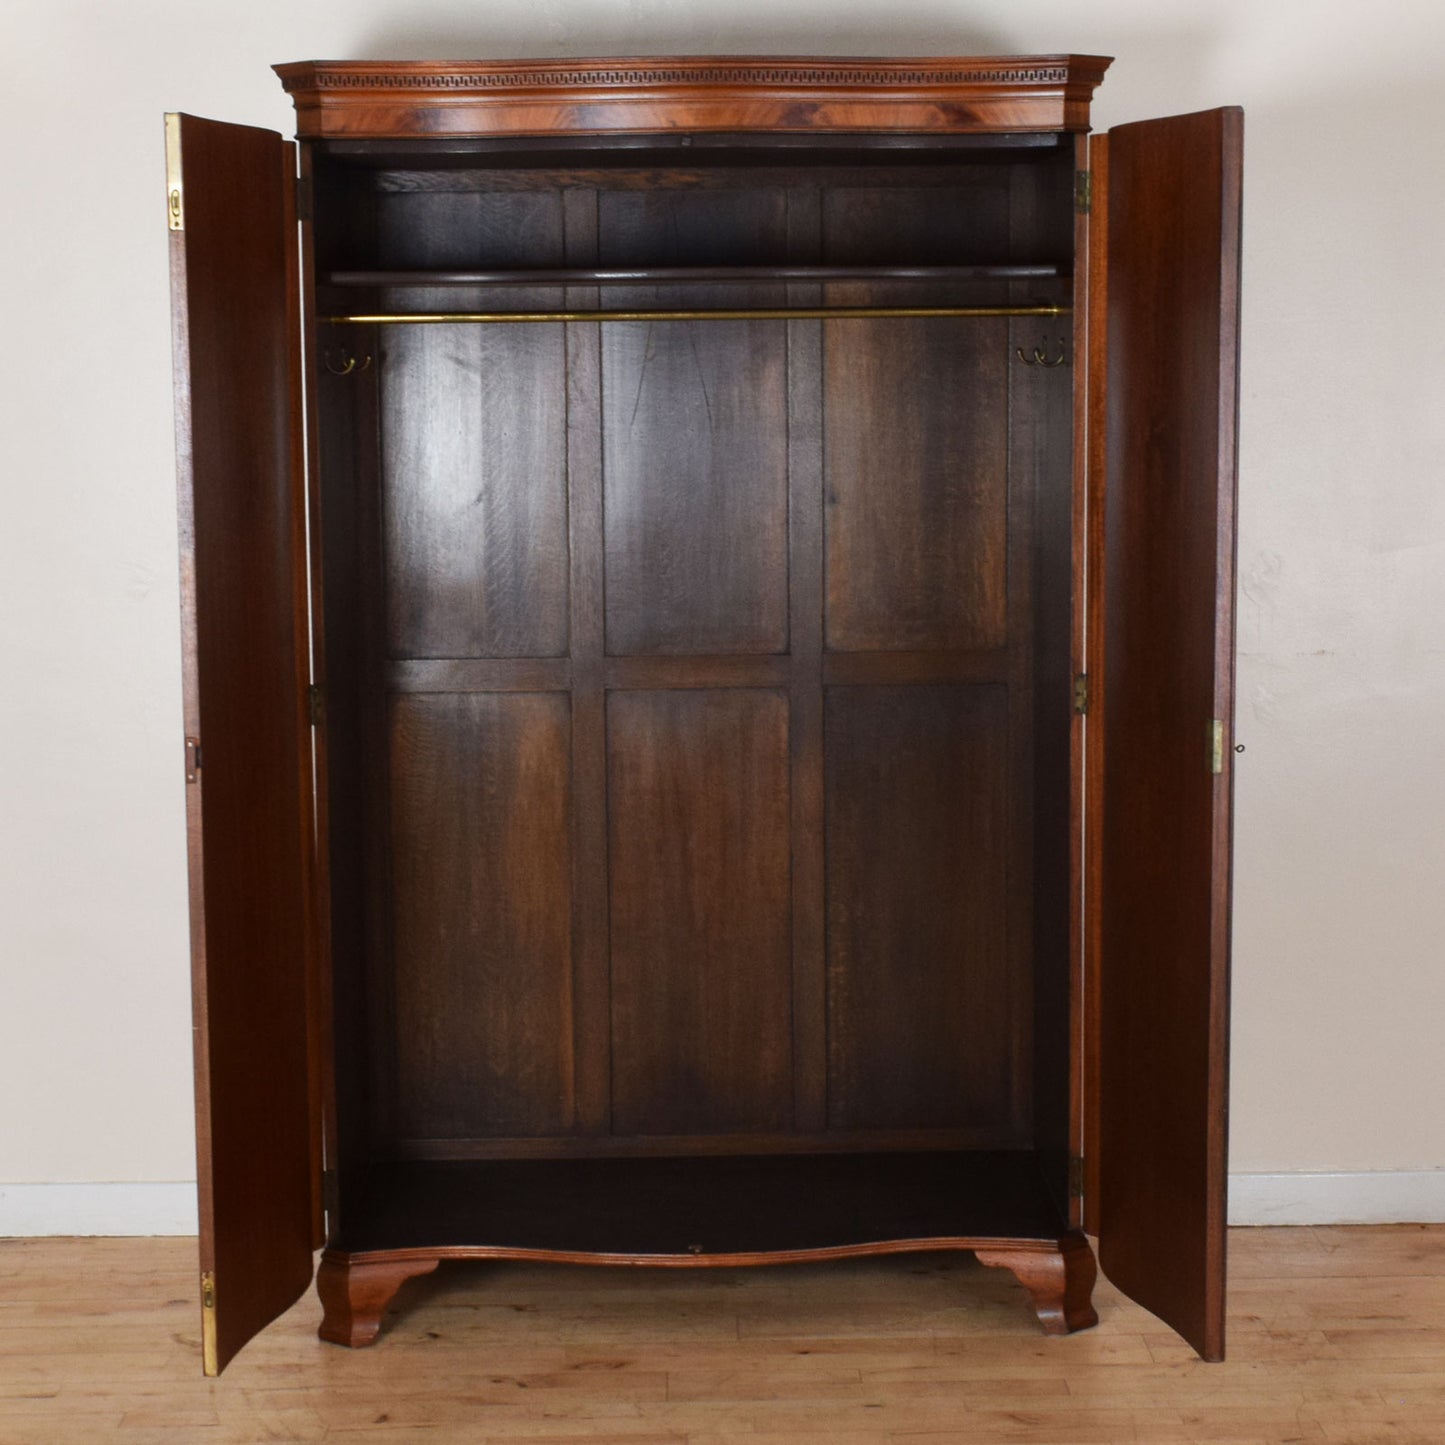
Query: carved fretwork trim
x,y
483,79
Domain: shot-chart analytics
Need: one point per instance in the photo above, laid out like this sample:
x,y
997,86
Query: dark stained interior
x,y
698,692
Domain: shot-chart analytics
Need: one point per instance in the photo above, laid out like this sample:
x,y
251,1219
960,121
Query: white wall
x,y
1339,986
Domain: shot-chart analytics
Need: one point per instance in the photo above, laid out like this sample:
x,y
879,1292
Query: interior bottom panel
x,y
727,1205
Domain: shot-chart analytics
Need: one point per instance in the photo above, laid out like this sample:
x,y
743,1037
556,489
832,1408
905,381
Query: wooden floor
x,y
1335,1335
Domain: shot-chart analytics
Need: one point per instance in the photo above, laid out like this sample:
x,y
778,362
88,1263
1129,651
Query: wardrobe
x,y
708,642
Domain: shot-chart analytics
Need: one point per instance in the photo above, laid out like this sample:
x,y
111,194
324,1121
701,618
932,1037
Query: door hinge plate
x,y
1216,745
209,1356
316,704
303,198
1076,1177
1083,192
193,759
1081,692
175,199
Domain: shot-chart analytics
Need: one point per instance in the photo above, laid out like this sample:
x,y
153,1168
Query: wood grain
x,y
1094,336
1060,1281
919,1026
691,93
474,461
354,1296
695,460
592,981
482,882
235,331
916,500
1334,1340
473,447
701,985
1174,199
965,223
695,437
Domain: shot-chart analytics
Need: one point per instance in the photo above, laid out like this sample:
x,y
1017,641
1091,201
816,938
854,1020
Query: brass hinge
x,y
316,702
1081,692
193,758
1076,1177
208,1324
1216,745
175,203
1083,192
303,198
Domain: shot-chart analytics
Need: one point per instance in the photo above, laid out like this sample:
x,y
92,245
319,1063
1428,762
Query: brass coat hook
x,y
1040,356
340,362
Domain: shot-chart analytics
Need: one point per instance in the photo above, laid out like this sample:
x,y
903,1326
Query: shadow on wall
x,y
924,30
1159,70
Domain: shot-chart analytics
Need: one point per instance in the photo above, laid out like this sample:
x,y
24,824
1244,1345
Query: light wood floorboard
x,y
1337,1336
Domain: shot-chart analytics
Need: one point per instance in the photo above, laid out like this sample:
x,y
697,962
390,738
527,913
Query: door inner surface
x,y
1173,306
235,330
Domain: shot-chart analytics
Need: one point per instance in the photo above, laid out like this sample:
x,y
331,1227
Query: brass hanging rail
x,y
746,313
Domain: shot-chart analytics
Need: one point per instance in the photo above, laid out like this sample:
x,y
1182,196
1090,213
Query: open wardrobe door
x,y
235,333
1172,268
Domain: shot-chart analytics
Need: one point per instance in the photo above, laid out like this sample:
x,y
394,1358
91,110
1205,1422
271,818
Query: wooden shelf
x,y
692,275
740,1205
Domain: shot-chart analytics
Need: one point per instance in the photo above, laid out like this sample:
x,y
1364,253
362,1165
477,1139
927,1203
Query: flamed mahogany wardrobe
x,y
708,675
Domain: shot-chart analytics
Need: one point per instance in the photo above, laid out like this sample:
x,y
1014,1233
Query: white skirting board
x,y
36,1209
1386,1196
1402,1196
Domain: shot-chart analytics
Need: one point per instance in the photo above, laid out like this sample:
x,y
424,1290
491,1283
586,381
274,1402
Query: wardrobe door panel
x,y
235,333
701,920
1173,296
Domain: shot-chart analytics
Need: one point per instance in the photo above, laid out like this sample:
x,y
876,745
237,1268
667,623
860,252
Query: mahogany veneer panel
x,y
729,1205
920,1031
482,942
700,912
475,490
691,92
1174,199
248,803
915,444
